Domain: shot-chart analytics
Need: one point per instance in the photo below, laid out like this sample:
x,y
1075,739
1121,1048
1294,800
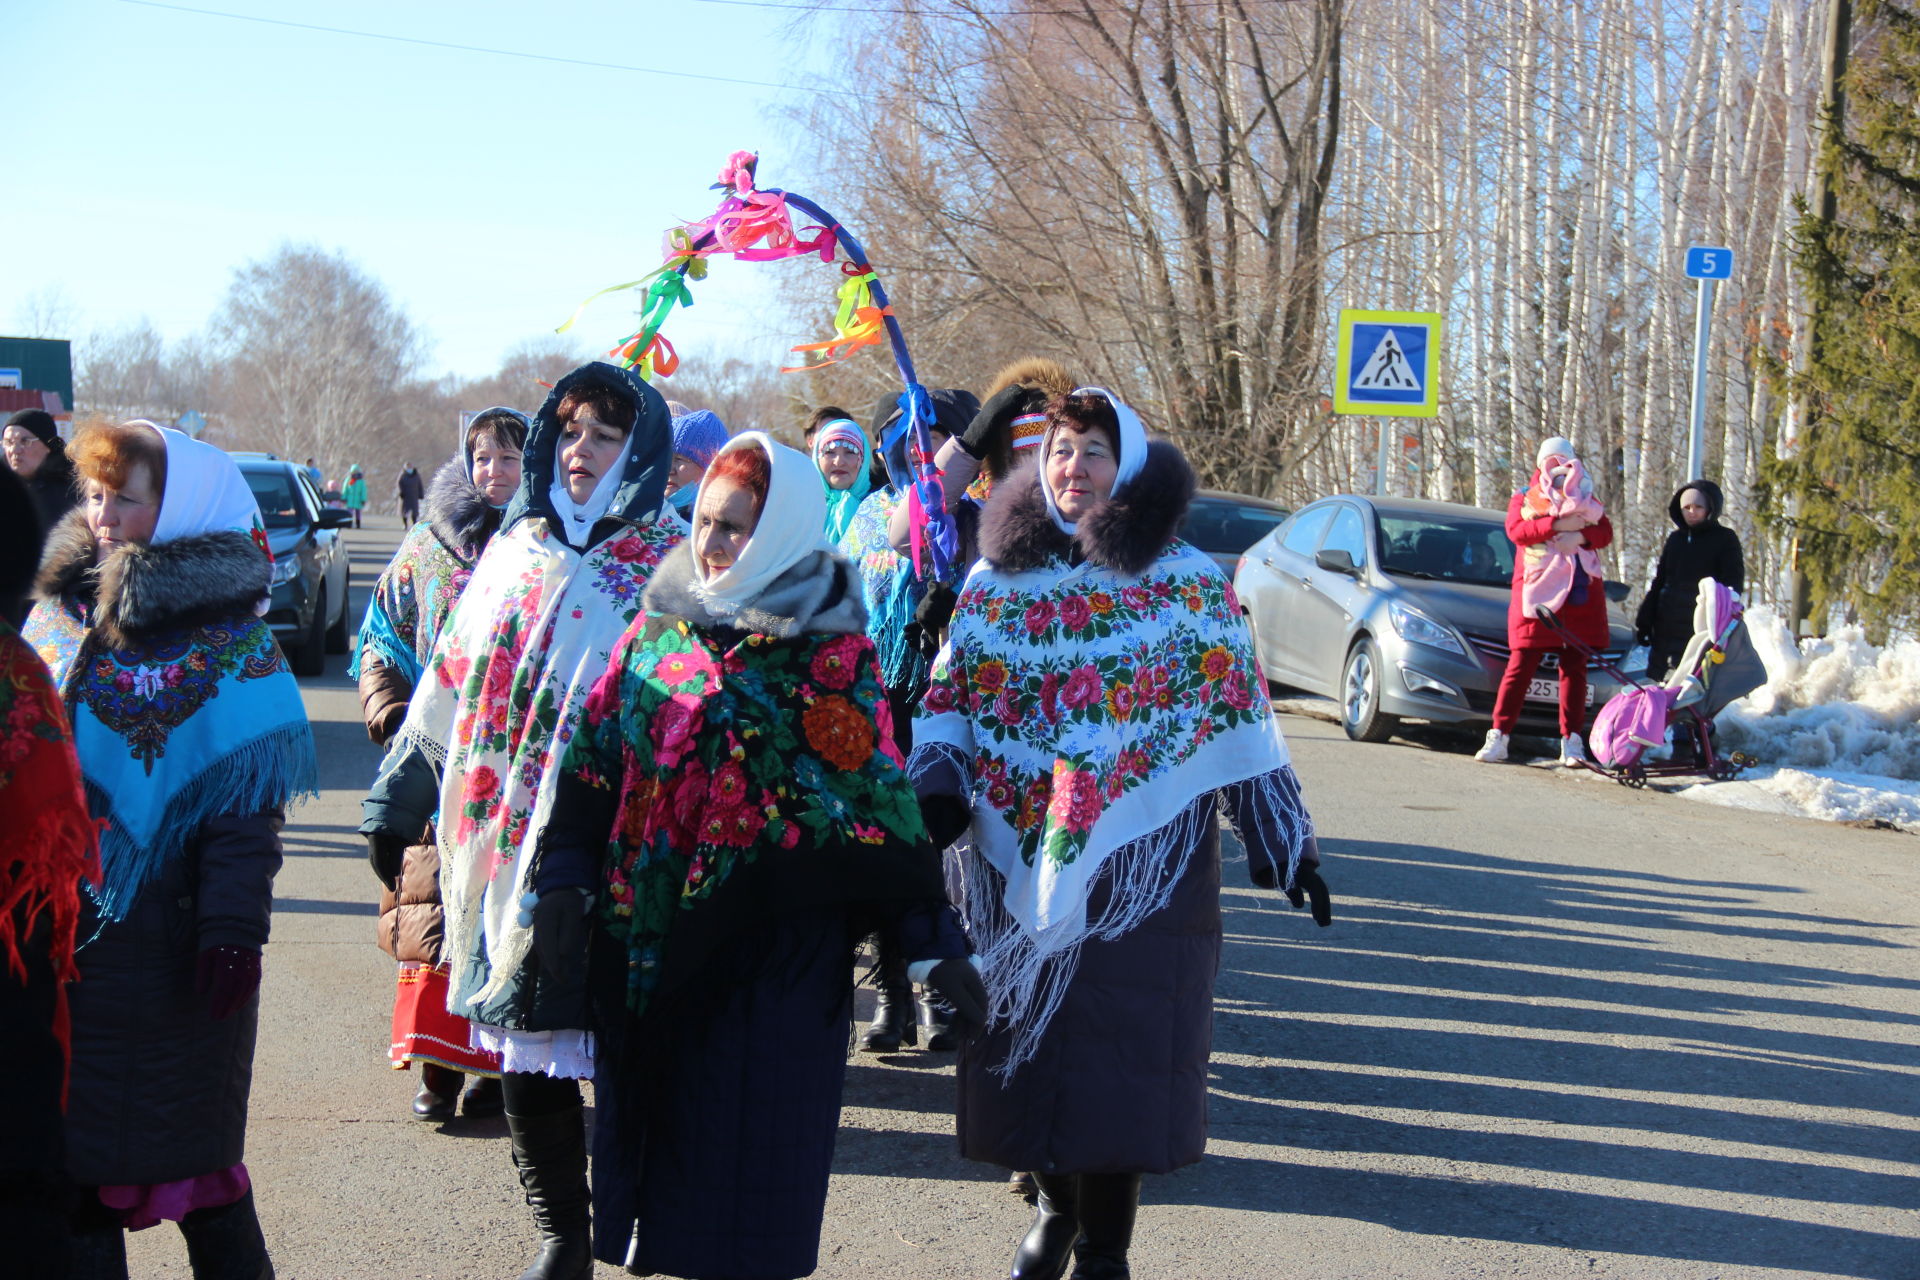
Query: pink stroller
x,y
1719,665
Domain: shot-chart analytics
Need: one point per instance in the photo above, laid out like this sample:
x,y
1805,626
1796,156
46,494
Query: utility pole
x,y
1832,118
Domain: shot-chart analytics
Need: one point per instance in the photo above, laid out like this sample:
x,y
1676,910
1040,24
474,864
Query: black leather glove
x,y
996,415
560,933
387,854
227,977
958,982
932,614
1308,886
947,818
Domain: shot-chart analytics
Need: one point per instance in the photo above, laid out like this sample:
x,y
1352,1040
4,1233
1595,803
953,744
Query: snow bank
x,y
1830,795
1839,705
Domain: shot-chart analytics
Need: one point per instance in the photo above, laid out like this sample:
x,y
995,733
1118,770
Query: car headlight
x,y
286,569
1416,627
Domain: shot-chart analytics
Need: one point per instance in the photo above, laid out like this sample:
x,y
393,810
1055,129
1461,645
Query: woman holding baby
x,y
1559,527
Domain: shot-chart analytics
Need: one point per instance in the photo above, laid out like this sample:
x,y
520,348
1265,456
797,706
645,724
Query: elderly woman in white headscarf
x,y
1097,704
736,808
482,743
193,740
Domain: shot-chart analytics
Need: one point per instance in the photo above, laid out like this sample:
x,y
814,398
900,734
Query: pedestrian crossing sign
x,y
1386,364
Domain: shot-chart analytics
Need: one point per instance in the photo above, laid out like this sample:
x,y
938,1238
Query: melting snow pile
x,y
1836,728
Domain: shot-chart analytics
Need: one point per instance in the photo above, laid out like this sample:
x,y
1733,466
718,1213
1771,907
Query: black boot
x,y
550,1151
439,1093
483,1098
1108,1203
936,1022
100,1254
1044,1254
892,1023
225,1243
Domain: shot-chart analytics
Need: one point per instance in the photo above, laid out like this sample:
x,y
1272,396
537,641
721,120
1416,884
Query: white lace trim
x,y
564,1055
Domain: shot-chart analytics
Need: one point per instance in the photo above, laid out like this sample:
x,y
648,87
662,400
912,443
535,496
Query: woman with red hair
x,y
736,811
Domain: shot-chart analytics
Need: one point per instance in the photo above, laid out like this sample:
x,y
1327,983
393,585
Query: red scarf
x,y
52,841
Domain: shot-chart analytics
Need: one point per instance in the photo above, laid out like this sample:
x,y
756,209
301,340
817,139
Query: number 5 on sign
x,y
1709,262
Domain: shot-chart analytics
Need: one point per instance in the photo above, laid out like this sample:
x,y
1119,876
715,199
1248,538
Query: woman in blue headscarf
x,y
698,435
845,457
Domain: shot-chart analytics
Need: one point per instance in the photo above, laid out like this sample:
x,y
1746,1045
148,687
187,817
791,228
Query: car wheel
x,y
1360,713
310,658
339,635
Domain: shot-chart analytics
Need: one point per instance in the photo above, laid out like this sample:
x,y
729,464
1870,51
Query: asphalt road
x,y
1556,1029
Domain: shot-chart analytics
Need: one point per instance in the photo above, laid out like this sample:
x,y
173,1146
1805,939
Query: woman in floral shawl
x,y
51,848
739,752
1096,705
192,739
482,743
409,608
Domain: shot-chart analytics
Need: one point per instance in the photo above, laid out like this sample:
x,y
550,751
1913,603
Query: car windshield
x,y
1446,548
1231,527
280,505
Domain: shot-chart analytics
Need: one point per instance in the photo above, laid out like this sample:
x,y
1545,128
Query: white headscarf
x,y
789,529
1131,446
580,517
204,491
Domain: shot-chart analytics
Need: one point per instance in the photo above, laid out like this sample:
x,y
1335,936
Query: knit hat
x,y
1554,447
40,422
699,434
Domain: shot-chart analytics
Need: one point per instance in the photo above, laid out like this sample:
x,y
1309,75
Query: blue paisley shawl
x,y
412,601
890,590
176,726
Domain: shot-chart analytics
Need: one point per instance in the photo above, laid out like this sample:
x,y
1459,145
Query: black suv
x,y
308,613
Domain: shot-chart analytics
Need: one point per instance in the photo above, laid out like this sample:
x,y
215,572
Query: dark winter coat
x,y
413,921
159,1087
1706,550
411,486
1586,620
717,1106
1119,1080
53,489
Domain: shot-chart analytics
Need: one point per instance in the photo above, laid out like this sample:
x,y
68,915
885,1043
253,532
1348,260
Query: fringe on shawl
x,y
57,853
1027,975
271,772
378,633
423,741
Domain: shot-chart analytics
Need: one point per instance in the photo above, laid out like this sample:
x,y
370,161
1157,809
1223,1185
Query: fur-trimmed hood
x,y
1125,534
458,512
138,590
819,594
1045,376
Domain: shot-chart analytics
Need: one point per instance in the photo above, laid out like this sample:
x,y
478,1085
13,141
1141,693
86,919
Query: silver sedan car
x,y
1397,608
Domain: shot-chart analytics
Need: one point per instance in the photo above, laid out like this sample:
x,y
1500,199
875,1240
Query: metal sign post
x,y
1707,264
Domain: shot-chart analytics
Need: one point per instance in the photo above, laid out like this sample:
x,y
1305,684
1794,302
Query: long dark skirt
x,y
715,1115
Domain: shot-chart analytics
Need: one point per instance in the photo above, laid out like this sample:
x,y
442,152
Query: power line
x,y
1063,11
503,53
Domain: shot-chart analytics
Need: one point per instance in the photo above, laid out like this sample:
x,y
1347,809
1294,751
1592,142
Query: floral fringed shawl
x,y
889,587
754,775
497,705
411,603
52,844
1090,708
178,726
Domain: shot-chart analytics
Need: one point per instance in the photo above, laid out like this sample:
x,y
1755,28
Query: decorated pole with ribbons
x,y
755,224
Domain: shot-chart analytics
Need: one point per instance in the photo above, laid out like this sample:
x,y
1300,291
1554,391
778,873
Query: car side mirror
x,y
1617,591
1337,560
331,519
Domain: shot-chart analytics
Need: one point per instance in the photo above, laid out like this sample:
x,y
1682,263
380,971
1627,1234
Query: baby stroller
x,y
1718,665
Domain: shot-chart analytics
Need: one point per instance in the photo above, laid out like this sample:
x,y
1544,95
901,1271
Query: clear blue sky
x,y
150,151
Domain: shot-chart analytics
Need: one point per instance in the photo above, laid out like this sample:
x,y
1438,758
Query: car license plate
x,y
1539,690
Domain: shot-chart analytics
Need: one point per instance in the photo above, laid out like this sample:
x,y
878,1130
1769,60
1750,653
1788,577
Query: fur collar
x,y
1125,534
140,590
819,595
460,517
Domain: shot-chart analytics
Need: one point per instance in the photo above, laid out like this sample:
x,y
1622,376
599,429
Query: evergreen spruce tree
x,y
1856,473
